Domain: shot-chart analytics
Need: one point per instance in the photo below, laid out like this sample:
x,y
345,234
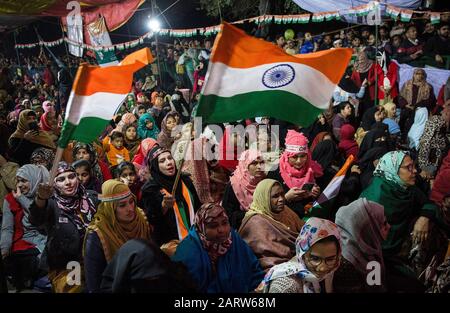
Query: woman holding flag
x,y
171,212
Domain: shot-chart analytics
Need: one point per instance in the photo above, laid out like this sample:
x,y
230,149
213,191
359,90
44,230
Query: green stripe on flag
x,y
279,104
87,131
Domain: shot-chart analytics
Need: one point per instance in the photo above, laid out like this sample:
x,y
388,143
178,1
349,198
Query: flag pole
x,y
58,157
188,141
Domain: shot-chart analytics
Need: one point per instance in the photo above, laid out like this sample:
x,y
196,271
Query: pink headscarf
x,y
242,182
297,143
48,108
145,146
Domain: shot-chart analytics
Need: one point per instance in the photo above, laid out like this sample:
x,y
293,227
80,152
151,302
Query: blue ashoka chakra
x,y
278,76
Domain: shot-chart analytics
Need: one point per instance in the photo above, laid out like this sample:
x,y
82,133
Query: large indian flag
x,y
97,94
249,77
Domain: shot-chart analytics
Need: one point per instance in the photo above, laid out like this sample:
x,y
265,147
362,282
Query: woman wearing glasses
x,y
409,212
318,254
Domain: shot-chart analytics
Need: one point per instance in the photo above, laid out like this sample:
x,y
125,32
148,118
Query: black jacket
x,y
437,45
165,227
64,241
232,206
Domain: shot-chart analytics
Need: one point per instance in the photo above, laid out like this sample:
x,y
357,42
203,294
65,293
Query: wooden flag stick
x,y
58,156
187,140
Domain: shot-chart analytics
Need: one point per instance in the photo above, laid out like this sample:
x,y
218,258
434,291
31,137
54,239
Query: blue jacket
x,y
238,271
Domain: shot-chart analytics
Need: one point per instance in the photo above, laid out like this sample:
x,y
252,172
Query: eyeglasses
x,y
410,167
316,261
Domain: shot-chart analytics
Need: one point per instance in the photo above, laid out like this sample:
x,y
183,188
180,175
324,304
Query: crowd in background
x,y
240,222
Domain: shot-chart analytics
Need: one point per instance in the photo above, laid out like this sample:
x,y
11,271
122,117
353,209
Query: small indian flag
x,y
435,17
318,17
248,77
96,95
330,192
304,18
392,11
406,15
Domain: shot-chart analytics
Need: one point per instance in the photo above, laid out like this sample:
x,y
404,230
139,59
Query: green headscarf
x,y
261,198
388,167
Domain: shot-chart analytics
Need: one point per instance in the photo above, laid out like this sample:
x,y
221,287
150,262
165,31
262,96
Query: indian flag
x,y
435,17
392,11
248,77
406,15
320,207
97,94
304,18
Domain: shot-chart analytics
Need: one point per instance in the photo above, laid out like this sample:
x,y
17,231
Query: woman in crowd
x,y
434,143
408,211
363,228
21,242
368,163
131,139
297,169
327,155
417,129
86,175
118,219
171,212
390,120
65,214
318,254
43,156
218,260
441,185
126,173
208,177
269,226
322,136
415,93
239,191
371,117
49,121
87,152
147,127
378,136
28,138
140,159
167,137
348,145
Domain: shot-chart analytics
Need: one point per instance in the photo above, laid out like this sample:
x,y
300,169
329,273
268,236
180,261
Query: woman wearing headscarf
x,y
239,191
372,116
87,152
377,137
126,120
269,226
297,169
217,258
319,138
208,177
417,129
28,138
147,127
65,214
365,69
441,185
118,219
318,253
327,155
49,121
348,145
170,212
363,228
166,137
320,125
408,210
415,93
21,242
347,90
433,144
140,159
368,163
43,156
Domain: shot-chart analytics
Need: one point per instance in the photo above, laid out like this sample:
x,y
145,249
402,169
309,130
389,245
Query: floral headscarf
x,y
43,155
80,206
314,230
388,167
209,212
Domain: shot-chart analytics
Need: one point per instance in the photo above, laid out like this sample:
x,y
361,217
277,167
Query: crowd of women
x,y
132,218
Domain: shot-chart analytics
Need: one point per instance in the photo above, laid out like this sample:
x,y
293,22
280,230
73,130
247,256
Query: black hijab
x,y
325,153
368,119
346,83
366,164
370,139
